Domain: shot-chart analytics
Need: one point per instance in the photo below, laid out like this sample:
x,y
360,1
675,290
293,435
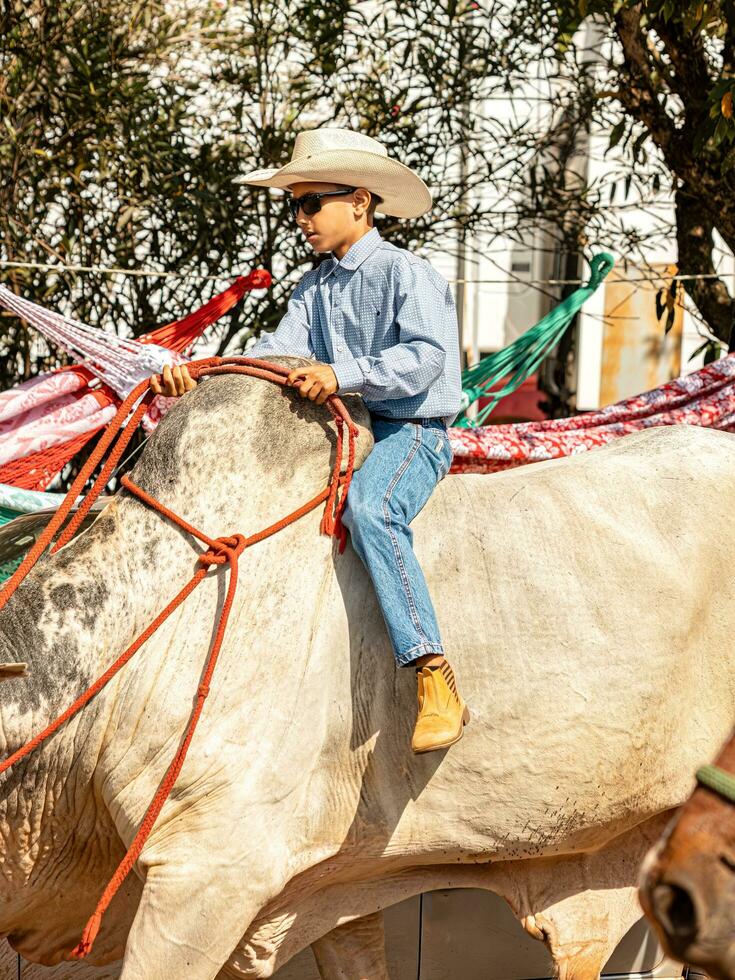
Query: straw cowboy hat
x,y
342,156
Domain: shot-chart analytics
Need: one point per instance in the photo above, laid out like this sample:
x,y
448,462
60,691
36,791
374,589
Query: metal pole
x,y
462,243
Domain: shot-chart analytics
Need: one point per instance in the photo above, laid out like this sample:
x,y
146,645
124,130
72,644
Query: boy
x,y
381,322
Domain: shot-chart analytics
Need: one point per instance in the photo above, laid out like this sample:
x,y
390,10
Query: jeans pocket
x,y
437,442
448,454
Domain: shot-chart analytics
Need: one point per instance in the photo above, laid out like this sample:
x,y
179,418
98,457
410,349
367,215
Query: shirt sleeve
x,y
424,314
293,333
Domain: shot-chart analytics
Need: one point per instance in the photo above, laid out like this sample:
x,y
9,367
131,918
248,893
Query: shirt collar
x,y
355,255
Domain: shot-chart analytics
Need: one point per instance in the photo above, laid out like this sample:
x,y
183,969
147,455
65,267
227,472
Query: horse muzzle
x,y
692,906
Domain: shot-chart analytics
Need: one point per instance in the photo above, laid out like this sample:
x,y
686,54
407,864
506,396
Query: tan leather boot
x,y
442,712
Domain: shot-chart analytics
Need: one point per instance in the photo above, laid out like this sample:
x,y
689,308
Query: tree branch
x,y
694,239
640,96
640,99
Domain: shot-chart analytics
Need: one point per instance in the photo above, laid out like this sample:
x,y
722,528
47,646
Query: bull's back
x,y
585,604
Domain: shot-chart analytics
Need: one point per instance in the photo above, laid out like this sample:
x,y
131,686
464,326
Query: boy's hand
x,y
317,382
172,383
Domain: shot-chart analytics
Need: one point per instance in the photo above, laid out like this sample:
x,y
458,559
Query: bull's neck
x,y
75,614
79,609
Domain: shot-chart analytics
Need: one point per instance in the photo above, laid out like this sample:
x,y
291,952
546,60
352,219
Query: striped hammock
x,y
44,422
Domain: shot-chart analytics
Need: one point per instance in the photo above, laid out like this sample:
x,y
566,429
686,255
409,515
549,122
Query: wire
x,y
656,277
104,270
127,459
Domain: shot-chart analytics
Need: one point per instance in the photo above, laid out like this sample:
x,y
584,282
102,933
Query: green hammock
x,y
7,567
17,502
525,354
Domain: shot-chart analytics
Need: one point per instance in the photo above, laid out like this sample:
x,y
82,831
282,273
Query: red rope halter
x,y
220,551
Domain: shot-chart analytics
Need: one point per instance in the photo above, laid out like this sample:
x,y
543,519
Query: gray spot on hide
x,y
43,622
231,419
91,598
62,596
54,670
55,673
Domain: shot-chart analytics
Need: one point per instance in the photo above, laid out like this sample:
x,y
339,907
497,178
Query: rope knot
x,y
224,550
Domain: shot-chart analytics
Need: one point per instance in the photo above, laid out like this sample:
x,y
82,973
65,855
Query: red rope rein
x,y
220,551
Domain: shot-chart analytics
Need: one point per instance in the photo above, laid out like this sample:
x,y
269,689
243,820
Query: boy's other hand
x,y
317,382
172,383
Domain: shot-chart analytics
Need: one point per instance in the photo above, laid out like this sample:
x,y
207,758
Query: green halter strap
x,y
719,781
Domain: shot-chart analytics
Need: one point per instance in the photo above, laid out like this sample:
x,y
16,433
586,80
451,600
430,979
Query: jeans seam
x,y
394,540
442,471
436,649
443,467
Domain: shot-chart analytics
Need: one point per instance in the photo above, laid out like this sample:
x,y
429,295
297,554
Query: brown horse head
x,y
688,880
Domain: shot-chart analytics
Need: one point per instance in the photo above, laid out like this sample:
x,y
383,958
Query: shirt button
x,y
340,347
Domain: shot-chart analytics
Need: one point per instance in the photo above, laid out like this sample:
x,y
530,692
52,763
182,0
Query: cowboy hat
x,y
342,156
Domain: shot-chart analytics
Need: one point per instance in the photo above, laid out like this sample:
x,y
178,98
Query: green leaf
x,y
712,350
616,134
721,130
637,145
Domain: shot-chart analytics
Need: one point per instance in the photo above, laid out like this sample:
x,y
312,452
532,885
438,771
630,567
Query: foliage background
x,y
122,125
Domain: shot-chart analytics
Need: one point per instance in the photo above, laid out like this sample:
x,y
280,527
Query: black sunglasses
x,y
311,203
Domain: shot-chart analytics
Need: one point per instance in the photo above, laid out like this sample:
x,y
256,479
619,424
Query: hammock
x,y
23,516
118,361
705,397
44,422
14,501
525,354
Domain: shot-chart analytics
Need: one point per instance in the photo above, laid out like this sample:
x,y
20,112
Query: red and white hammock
x,y
705,397
44,422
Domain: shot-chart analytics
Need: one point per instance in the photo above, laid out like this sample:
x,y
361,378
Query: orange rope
x,y
220,551
181,334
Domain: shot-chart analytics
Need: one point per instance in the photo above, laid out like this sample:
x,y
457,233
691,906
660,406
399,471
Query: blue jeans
x,y
386,493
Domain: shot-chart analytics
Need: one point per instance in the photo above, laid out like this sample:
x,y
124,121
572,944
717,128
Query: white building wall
x,y
498,307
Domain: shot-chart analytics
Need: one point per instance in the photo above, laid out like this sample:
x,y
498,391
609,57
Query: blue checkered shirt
x,y
386,322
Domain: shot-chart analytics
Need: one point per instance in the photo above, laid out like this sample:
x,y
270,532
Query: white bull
x,y
585,604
